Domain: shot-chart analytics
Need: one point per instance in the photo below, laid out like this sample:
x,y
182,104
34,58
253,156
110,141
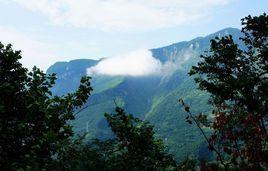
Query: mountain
x,y
153,98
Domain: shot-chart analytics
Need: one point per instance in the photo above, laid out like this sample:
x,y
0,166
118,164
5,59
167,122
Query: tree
x,y
237,79
33,123
136,147
77,154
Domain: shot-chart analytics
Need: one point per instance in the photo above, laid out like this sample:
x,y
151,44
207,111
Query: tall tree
x,y
237,80
136,146
33,123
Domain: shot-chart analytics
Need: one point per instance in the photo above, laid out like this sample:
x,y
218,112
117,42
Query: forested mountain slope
x,y
154,98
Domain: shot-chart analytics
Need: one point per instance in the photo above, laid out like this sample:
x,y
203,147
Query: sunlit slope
x,y
154,98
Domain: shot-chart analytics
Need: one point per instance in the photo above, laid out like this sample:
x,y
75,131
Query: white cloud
x,y
122,15
142,63
136,63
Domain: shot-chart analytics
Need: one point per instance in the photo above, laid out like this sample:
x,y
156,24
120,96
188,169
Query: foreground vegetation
x,y
36,132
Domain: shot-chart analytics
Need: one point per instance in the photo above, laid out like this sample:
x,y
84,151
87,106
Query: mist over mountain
x,y
148,84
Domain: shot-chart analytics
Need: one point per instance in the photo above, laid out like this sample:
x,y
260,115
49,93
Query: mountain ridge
x,y
153,98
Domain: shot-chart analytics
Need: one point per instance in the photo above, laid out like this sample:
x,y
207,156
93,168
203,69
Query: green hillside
x,y
154,98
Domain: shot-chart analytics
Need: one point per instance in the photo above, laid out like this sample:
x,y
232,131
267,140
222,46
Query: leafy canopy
x,y
136,146
33,123
237,79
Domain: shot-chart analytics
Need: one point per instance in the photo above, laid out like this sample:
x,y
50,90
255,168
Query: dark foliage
x,y
238,82
33,123
136,146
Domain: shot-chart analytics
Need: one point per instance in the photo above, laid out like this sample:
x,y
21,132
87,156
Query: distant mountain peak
x,y
201,43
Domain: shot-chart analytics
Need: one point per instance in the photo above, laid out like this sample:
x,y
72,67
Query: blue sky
x,y
60,30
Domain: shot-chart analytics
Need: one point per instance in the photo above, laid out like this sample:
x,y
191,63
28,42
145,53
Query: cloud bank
x,y
142,63
122,15
136,63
